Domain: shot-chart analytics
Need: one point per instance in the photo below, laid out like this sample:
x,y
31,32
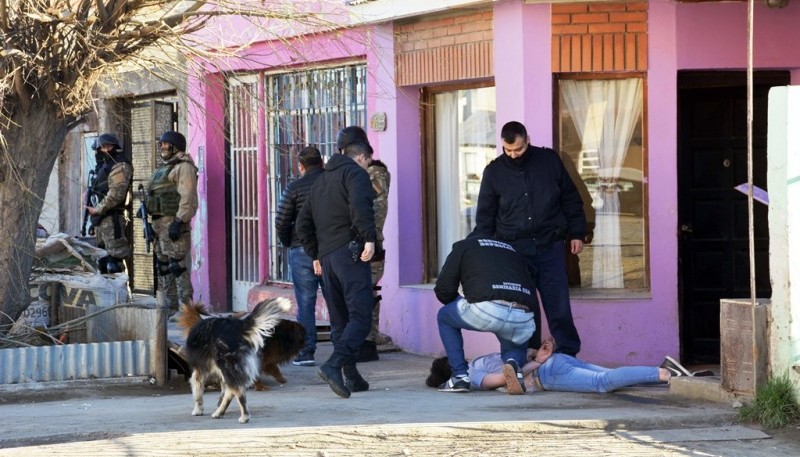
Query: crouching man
x,y
499,297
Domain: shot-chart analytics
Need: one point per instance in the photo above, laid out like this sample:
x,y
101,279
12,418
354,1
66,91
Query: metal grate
x,y
307,108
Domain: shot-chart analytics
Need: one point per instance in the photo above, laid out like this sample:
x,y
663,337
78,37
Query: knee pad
x,y
115,265
175,268
102,264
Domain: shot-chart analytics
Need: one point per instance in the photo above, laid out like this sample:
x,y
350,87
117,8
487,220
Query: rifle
x,y
147,229
88,201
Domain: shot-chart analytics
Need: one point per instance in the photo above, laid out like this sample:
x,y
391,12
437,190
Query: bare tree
x,y
55,53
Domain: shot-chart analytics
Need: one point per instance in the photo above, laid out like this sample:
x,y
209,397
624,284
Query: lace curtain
x,y
605,113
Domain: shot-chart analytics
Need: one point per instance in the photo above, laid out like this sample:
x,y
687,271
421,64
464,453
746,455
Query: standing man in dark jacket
x,y
337,229
528,199
499,297
304,279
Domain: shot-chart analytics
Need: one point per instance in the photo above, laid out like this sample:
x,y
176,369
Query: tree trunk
x,y
34,139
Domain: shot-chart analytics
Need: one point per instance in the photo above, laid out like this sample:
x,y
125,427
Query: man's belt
x,y
512,304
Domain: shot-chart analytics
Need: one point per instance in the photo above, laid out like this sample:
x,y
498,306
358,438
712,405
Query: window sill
x,y
577,294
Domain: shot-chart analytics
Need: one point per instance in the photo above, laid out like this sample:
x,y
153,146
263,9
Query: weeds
x,y
774,406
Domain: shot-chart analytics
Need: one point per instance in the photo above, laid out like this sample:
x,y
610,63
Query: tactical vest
x,y
103,170
163,198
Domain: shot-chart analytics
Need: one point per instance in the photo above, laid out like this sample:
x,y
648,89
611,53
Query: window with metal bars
x,y
307,107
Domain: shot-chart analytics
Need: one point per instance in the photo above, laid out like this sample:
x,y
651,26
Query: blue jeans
x,y
460,314
305,293
565,373
550,267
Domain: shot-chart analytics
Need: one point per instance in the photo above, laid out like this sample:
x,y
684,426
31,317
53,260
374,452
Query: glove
x,y
175,229
95,220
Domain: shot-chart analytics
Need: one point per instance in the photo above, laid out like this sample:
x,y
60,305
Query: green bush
x,y
775,404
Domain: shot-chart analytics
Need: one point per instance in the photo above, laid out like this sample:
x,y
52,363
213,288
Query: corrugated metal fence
x,y
75,361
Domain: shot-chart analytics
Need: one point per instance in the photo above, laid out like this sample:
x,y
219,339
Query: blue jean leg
x,y
565,373
305,293
450,321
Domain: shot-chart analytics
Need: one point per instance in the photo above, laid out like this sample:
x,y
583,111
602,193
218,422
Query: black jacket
x,y
529,197
340,202
292,200
487,269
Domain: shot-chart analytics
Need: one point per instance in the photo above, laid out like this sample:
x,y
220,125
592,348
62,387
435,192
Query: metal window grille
x,y
308,107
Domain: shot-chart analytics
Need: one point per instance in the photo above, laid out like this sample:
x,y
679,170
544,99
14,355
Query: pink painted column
x,y
262,164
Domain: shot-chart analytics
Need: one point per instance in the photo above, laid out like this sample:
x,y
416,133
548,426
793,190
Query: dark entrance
x,y
712,215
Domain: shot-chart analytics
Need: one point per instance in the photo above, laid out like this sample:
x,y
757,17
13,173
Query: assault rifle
x,y
88,201
147,229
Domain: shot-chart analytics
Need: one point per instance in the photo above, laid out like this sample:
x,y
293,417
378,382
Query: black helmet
x,y
174,138
350,134
106,139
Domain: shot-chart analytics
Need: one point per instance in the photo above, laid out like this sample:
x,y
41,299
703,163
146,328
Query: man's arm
x,y
361,198
307,230
486,212
285,217
186,184
449,279
572,206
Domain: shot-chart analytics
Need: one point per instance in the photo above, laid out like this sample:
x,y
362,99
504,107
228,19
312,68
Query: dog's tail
x,y
262,321
191,313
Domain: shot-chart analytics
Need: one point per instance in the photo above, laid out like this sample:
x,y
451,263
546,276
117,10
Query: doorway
x,y
713,252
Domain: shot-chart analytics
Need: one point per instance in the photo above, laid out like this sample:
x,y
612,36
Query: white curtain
x,y
447,176
605,113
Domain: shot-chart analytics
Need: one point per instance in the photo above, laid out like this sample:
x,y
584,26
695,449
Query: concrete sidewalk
x,y
48,413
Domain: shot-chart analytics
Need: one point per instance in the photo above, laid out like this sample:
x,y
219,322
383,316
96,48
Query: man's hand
x,y
91,210
368,252
317,267
576,246
175,229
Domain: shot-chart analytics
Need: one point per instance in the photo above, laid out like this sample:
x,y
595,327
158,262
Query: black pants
x,y
347,288
548,263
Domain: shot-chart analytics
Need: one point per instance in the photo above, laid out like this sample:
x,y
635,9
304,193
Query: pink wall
x,y
721,28
631,330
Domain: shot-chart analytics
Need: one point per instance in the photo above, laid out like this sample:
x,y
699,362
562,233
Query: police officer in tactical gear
x,y
110,191
172,202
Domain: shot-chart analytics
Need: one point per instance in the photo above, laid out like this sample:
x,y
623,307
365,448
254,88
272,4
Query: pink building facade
x,y
680,53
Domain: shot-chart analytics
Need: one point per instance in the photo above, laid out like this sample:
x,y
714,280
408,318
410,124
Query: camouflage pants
x,y
111,239
173,257
377,274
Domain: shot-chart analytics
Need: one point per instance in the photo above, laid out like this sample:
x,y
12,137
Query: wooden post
x,y
160,352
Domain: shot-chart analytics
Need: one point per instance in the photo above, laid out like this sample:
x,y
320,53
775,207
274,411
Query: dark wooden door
x,y
713,220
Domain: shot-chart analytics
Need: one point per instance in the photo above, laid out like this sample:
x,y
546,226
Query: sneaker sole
x,y
305,363
512,383
459,390
675,366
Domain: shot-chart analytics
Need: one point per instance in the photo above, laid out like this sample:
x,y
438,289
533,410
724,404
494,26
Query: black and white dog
x,y
226,349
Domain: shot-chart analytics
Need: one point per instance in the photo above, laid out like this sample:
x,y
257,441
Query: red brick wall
x,y
447,48
596,37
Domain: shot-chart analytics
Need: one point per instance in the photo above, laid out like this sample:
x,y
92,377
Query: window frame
x,y
589,292
430,219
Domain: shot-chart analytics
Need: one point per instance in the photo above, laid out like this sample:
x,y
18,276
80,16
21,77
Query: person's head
x,y
360,151
171,142
515,139
348,135
309,157
107,143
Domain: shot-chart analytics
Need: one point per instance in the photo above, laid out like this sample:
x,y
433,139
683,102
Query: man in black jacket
x,y
337,229
528,199
304,279
499,297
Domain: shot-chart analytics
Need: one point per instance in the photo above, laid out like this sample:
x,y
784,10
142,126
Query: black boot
x,y
331,372
368,352
354,381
